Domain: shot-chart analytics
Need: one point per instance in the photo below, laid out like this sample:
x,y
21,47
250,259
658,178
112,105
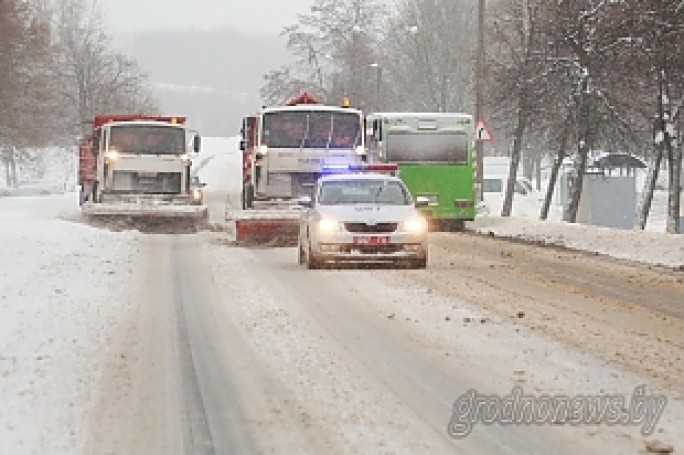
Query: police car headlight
x,y
415,226
328,226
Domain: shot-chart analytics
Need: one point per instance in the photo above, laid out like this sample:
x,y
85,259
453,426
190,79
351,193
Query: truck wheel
x,y
93,196
419,263
456,226
312,262
301,255
248,196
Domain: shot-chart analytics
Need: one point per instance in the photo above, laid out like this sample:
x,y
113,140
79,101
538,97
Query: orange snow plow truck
x,y
138,167
285,149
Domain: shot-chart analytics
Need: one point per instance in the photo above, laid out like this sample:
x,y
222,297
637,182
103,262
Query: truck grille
x,y
363,227
153,183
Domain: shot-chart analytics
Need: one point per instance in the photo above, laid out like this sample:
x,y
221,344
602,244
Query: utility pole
x,y
479,87
378,85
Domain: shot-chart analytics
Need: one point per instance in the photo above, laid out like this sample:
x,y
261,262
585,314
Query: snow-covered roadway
x,y
133,343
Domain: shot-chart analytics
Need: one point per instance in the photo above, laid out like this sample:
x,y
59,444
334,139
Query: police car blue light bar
x,y
363,167
335,167
373,167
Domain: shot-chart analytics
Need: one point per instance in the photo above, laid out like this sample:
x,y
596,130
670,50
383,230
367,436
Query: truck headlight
x,y
415,225
328,226
196,194
112,155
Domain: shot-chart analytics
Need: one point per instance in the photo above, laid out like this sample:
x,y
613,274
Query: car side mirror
x,y
305,201
422,201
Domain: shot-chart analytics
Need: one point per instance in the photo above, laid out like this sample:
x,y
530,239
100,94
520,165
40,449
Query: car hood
x,y
368,213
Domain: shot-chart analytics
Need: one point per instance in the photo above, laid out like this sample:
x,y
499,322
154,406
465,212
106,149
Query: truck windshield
x,y
337,192
148,139
442,147
312,129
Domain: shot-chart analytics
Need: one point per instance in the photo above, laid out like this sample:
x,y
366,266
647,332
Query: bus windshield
x,y
439,147
312,129
152,139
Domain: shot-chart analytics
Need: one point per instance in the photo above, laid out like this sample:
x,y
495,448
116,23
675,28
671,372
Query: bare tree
x,y
91,78
659,30
429,56
24,94
334,46
515,67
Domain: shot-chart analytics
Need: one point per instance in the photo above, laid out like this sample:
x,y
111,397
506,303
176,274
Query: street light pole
x,y
479,87
378,85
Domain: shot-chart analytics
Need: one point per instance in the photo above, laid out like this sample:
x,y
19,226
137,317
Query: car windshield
x,y
384,192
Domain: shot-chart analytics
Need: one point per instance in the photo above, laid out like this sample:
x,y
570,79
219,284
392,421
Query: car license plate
x,y
371,240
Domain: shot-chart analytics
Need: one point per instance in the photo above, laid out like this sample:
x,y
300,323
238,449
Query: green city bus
x,y
434,154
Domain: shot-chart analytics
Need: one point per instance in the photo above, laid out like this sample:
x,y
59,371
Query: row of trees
x,y
585,74
57,70
418,57
588,75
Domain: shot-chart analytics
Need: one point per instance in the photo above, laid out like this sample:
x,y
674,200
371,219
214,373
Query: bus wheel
x,y
248,196
456,226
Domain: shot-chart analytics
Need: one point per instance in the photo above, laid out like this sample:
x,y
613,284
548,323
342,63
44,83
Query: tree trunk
x,y
515,160
577,182
674,155
554,174
12,168
649,188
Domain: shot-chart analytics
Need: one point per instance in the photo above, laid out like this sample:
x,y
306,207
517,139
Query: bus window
x,y
444,147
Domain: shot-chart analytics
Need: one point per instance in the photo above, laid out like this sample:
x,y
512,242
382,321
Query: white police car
x,y
359,217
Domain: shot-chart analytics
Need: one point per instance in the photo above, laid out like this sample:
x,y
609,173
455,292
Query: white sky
x,y
125,17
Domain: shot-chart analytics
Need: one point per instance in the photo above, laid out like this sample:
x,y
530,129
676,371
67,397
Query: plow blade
x,y
147,217
267,228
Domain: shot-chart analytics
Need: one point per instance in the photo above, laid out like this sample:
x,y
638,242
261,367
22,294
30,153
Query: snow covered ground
x,y
647,247
65,285
62,288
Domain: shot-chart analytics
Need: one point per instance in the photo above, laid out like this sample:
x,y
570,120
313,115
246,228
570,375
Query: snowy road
x,y
121,342
243,351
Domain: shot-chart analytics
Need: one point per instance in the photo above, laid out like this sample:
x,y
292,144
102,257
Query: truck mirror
x,y
196,143
305,201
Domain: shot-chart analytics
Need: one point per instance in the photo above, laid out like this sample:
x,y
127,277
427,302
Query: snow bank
x,y
63,287
648,247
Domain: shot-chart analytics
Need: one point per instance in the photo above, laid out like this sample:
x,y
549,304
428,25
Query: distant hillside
x,y
212,76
